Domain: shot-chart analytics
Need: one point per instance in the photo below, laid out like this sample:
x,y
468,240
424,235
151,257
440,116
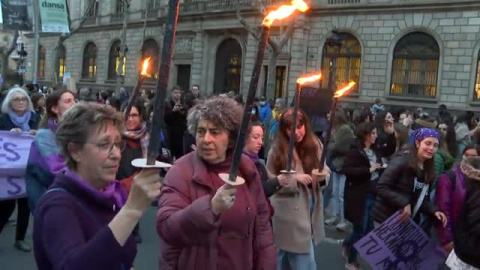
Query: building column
x,y
197,62
248,62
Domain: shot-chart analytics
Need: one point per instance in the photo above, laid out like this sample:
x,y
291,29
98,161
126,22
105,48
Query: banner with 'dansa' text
x,y
14,151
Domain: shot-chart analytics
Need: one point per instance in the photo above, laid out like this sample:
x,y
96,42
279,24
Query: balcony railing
x,y
225,5
91,20
151,13
115,18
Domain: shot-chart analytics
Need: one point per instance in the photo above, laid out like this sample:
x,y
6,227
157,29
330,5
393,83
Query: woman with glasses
x,y
136,138
203,222
85,220
18,116
44,161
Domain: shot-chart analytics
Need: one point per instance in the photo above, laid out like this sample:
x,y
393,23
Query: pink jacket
x,y
192,237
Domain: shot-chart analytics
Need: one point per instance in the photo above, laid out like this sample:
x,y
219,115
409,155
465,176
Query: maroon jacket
x,y
192,237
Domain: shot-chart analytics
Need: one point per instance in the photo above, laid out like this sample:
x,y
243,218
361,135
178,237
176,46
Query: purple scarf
x,y
253,157
112,191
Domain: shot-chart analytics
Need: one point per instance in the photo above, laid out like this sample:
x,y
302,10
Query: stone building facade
x,y
407,53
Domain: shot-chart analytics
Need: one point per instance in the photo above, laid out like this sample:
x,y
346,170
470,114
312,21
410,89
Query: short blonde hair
x,y
79,121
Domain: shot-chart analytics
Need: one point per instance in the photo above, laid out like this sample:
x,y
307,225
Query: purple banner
x,y
400,245
14,151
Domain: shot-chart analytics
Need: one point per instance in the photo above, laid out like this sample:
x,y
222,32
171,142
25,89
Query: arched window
x,y
228,67
476,94
341,57
415,66
114,60
41,62
62,64
89,69
150,49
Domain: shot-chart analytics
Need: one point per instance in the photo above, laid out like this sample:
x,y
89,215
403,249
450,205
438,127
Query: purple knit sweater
x,y
70,229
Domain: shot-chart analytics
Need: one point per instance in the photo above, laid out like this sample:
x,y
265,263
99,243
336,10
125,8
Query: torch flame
x,y
145,67
309,79
342,91
285,11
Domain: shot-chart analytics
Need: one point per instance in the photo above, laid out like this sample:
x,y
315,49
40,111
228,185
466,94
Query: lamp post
x,y
21,67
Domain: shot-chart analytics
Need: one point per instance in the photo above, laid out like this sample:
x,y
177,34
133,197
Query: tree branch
x,y
287,35
13,46
250,30
273,44
80,24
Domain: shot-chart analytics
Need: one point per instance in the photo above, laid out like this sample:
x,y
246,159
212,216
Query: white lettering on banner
x,y
14,151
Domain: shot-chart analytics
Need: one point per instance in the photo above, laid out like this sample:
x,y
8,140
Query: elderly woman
x,y
85,220
18,116
44,161
204,223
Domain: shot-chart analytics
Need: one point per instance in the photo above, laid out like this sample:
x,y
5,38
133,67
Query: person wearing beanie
x,y
404,185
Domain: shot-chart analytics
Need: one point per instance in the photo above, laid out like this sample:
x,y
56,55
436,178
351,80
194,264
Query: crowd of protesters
x,y
87,198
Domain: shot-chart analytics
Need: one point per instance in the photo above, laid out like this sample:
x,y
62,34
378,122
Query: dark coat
x,y
384,143
7,124
342,139
356,168
467,227
192,237
395,190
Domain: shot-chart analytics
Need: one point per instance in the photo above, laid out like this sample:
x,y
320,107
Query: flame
x,y
342,91
284,11
145,67
309,79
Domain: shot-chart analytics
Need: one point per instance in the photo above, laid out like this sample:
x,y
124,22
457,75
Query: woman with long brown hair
x,y
298,218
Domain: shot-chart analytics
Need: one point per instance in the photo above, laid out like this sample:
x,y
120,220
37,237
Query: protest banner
x,y
400,245
14,151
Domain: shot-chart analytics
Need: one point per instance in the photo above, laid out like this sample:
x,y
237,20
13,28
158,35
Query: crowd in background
x,y
379,161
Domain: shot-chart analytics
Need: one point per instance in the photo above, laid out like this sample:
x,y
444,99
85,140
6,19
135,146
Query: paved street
x,y
328,253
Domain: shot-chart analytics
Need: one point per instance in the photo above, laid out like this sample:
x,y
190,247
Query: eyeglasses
x,y
107,147
18,100
134,116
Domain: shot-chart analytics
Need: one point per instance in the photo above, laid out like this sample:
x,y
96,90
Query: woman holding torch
x,y
203,222
298,218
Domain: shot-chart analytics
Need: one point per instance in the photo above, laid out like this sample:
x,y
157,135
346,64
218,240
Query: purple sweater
x,y
70,229
450,201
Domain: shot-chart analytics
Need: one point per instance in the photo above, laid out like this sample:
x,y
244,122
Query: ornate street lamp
x,y
21,67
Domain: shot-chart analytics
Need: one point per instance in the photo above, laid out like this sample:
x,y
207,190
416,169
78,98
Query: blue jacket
x,y
265,114
43,165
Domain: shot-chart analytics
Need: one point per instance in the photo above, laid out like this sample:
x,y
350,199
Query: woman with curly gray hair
x,y
204,223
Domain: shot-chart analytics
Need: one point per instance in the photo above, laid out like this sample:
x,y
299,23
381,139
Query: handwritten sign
x,y
400,245
14,151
